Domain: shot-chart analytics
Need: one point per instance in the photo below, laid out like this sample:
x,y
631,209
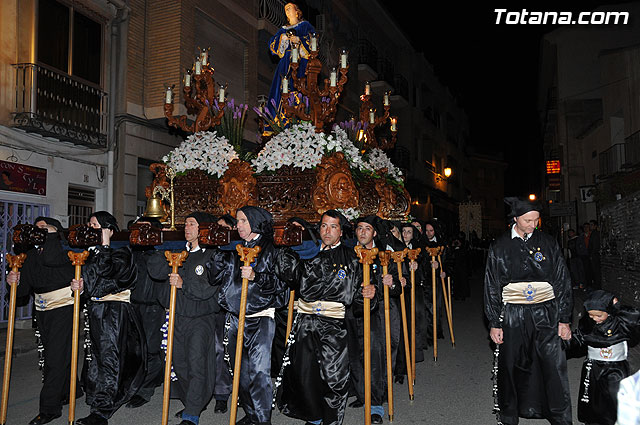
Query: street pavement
x,y
455,389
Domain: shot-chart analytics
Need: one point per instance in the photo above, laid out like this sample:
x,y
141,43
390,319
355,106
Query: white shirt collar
x,y
330,247
196,249
515,234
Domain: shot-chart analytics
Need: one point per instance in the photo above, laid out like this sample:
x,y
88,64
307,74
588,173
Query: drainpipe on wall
x,y
122,15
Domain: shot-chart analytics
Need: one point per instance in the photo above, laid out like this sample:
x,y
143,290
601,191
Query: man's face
x,y
429,231
585,227
526,223
407,234
365,233
191,228
244,228
330,230
592,226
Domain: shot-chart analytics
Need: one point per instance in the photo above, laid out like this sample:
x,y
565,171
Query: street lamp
x,y
532,196
447,172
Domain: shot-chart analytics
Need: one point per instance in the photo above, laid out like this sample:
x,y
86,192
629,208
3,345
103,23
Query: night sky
x,y
493,71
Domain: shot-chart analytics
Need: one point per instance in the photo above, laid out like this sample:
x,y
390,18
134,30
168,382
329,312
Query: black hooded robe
x,y
532,368
118,350
265,291
355,332
315,385
600,377
194,355
46,270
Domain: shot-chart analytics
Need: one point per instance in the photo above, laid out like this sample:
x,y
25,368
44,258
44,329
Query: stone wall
x,y
620,253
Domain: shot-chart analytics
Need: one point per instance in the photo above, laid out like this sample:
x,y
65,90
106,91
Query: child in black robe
x,y
606,331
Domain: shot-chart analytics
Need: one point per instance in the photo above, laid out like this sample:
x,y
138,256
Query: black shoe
x,y
92,419
245,421
44,418
186,422
179,414
221,406
399,379
356,403
136,401
376,419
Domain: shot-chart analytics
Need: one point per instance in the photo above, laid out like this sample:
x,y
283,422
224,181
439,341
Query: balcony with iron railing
x,y
385,70
632,149
367,53
612,160
54,104
401,86
272,11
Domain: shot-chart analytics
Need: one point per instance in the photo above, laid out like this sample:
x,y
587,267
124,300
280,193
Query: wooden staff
x,y
15,262
366,257
175,260
398,258
447,305
77,259
385,258
247,255
292,297
450,304
434,252
413,256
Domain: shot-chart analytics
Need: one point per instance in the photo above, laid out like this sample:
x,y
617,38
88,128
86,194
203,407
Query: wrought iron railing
x,y
612,160
11,214
272,11
401,86
385,70
57,105
632,149
367,53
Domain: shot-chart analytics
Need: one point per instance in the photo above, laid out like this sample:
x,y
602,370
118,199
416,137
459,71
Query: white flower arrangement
x,y
205,151
377,160
351,214
300,146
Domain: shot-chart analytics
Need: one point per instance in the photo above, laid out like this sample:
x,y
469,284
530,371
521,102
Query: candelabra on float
x,y
368,116
199,97
322,103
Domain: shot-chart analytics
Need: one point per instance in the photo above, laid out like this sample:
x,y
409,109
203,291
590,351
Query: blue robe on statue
x,y
282,47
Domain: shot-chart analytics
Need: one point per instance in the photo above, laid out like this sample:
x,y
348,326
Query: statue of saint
x,y
298,33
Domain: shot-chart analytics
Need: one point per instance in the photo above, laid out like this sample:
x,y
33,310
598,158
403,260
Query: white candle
x,y
314,43
221,94
295,54
203,57
198,67
386,99
187,79
285,86
343,59
367,89
394,121
333,77
372,116
169,96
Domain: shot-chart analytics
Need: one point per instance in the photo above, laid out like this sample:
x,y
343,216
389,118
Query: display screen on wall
x,y
16,177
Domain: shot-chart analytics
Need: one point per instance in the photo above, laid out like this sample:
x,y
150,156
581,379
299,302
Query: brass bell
x,y
154,208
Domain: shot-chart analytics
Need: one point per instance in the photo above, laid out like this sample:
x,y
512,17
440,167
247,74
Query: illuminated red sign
x,y
553,167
